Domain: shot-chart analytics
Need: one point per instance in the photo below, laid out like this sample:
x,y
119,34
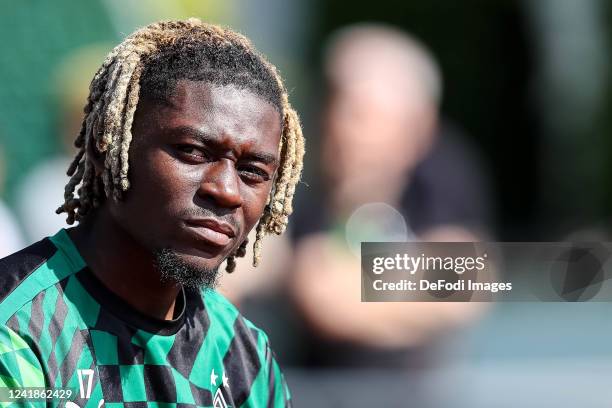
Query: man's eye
x,y
192,152
188,149
253,174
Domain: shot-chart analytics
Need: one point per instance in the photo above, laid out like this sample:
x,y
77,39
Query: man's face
x,y
202,166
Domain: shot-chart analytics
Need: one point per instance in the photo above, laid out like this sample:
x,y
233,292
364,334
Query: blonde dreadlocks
x,y
149,62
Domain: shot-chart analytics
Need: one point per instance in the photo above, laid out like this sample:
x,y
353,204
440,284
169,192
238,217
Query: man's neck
x,y
124,266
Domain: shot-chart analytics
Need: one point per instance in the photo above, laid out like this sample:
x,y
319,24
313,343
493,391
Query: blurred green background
x,y
527,80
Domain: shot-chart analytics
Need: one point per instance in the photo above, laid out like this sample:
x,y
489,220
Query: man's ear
x,y
96,157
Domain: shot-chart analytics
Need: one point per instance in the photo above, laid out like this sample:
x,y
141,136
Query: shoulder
x,y
249,358
225,316
26,261
25,274
224,312
17,269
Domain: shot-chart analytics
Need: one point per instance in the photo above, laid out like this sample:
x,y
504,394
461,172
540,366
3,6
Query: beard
x,y
173,269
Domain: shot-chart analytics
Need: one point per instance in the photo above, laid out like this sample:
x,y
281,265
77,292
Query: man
x,y
188,142
379,128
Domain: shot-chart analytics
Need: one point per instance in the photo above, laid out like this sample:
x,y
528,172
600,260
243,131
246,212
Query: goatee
x,y
172,268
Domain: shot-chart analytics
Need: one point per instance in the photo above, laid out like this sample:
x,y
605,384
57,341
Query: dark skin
x,y
202,164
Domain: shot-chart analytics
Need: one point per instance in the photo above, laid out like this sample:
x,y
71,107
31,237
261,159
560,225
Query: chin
x,y
198,262
187,269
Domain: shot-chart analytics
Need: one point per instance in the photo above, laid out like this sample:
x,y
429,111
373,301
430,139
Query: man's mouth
x,y
212,231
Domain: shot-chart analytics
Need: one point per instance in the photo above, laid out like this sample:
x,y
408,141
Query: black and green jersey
x,y
62,328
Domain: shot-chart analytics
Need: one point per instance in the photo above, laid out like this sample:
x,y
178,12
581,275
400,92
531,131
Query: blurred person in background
x,y
392,173
11,238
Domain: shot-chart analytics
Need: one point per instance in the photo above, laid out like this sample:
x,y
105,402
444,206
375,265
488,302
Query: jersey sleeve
x,y
278,391
19,366
270,388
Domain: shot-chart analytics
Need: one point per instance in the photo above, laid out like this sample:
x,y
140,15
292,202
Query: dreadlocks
x,y
149,63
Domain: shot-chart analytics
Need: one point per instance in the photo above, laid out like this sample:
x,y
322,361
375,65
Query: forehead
x,y
230,114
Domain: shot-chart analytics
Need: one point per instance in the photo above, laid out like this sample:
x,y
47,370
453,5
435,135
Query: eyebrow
x,y
207,139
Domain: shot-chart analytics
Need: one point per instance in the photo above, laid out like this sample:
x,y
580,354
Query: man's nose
x,y
221,183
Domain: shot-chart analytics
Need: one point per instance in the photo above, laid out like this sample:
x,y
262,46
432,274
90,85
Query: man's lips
x,y
208,229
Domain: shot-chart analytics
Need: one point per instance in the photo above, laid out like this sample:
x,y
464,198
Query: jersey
x,y
60,327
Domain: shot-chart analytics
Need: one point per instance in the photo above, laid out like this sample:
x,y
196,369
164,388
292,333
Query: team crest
x,y
219,400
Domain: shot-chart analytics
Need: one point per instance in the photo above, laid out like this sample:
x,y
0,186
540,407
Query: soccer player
x,y
187,143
